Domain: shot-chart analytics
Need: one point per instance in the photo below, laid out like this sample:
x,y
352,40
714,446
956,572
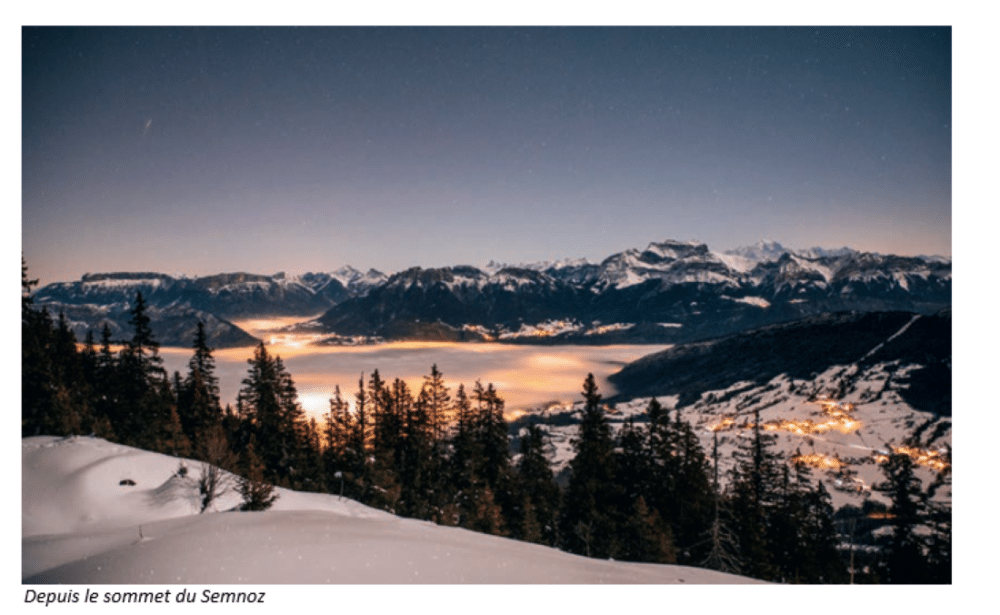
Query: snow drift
x,y
84,523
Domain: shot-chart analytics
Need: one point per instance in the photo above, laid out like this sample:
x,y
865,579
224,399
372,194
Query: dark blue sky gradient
x,y
202,150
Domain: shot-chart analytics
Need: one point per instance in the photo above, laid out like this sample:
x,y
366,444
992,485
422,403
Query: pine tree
x,y
27,304
465,460
539,518
938,520
752,499
339,459
419,467
485,515
665,463
145,409
362,428
492,435
589,514
271,414
437,401
257,493
311,476
398,411
644,537
786,532
143,344
36,373
802,537
902,558
719,543
168,435
529,528
693,490
106,398
825,564
634,464
98,423
479,494
381,435
69,412
56,397
198,404
377,482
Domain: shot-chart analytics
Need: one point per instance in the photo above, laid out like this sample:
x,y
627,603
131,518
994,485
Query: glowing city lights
x,y
922,457
819,460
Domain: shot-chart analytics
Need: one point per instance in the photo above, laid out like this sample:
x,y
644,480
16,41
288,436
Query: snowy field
x,y
81,526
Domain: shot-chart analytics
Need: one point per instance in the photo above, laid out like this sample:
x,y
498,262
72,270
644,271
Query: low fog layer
x,y
525,376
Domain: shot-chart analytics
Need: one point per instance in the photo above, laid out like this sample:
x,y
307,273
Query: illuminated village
x,y
843,440
836,416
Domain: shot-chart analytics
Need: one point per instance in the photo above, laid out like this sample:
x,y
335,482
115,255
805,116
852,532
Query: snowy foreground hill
x,y
81,525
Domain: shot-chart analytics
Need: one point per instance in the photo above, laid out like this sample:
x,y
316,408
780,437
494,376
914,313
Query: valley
x,y
525,376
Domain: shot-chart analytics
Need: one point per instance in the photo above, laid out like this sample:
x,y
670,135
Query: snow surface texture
x,y
80,525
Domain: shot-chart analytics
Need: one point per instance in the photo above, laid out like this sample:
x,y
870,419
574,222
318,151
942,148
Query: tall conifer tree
x,y
753,498
589,515
272,415
539,519
199,407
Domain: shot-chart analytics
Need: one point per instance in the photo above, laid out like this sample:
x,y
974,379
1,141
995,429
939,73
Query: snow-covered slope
x,y
842,431
81,525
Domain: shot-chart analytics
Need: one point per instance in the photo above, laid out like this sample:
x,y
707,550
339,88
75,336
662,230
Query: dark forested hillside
x,y
801,349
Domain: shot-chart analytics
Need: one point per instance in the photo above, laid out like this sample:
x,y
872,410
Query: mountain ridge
x,y
669,292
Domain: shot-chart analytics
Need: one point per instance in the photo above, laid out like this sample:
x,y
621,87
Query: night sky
x,y
207,150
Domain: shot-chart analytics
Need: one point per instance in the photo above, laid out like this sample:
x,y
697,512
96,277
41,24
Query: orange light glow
x,y
513,415
838,419
819,460
724,424
923,457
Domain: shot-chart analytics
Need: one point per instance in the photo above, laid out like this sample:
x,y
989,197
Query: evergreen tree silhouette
x,y
257,493
753,499
902,558
272,416
198,404
719,544
539,505
589,516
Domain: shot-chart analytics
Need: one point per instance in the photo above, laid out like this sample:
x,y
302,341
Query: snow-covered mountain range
x,y
228,295
671,291
178,302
